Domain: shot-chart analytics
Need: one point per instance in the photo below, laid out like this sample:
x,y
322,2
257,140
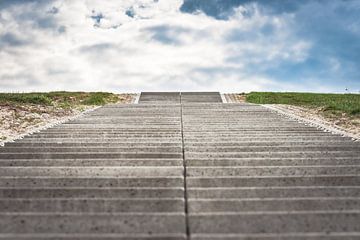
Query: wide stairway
x,y
180,166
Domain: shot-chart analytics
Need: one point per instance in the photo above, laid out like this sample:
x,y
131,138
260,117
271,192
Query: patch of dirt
x,y
16,120
235,98
127,98
349,124
19,119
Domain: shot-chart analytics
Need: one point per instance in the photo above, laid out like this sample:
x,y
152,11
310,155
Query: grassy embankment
x,y
21,112
59,99
328,105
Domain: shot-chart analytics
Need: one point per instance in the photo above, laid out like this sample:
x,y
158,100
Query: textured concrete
x,y
180,166
115,173
252,174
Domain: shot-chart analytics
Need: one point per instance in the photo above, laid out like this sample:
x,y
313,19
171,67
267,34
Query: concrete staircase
x,y
252,174
116,173
180,166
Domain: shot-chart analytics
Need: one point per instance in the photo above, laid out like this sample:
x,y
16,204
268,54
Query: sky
x,y
180,45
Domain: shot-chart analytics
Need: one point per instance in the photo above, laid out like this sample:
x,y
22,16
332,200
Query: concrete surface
x,y
180,166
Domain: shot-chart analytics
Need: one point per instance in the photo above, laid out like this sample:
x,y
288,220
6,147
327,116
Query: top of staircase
x,y
180,97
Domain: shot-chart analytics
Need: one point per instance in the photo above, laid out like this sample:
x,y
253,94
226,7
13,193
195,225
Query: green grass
x,y
33,98
330,103
61,99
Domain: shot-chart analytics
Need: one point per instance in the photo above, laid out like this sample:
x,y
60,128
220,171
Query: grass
x,y
60,99
33,98
334,104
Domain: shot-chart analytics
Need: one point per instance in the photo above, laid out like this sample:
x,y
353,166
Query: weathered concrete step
x,y
163,102
179,162
276,222
88,192
139,113
141,140
91,149
159,97
216,115
272,162
271,192
92,205
129,137
157,129
242,115
308,154
143,109
92,162
93,236
329,138
137,116
271,170
221,116
246,126
211,97
200,129
273,143
150,223
118,128
161,120
239,120
258,133
99,136
118,108
91,171
280,236
125,122
236,111
274,181
241,124
116,121
268,138
248,129
202,100
272,204
151,128
79,182
169,112
270,148
224,108
162,117
93,144
132,126
234,134
131,109
102,138
74,155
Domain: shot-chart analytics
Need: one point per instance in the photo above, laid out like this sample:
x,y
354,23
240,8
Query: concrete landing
x,y
180,97
180,166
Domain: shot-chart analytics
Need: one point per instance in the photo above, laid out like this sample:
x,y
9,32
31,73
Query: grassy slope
x,y
21,112
330,104
59,99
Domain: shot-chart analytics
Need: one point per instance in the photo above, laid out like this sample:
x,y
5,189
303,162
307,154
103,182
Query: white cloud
x,y
94,45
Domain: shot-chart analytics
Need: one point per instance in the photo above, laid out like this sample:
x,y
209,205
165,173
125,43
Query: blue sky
x,y
180,45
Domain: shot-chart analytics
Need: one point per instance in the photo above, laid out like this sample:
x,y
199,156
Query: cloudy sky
x,y
148,45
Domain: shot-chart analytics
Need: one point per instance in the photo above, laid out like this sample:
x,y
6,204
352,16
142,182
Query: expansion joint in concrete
x,y
184,165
